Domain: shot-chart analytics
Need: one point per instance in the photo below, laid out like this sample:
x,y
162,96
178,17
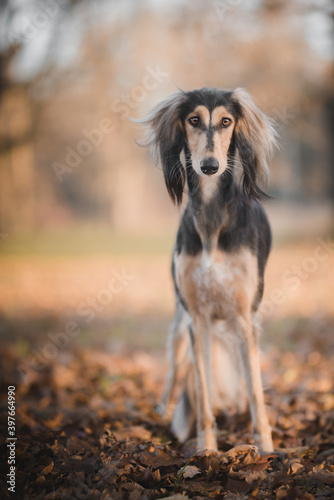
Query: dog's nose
x,y
209,166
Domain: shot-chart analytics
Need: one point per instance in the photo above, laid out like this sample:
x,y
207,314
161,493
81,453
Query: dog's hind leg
x,y
200,339
177,349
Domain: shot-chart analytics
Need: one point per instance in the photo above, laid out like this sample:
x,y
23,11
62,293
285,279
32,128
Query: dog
x,y
215,144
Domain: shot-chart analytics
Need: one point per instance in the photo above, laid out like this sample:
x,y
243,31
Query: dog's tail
x,y
227,388
184,417
228,385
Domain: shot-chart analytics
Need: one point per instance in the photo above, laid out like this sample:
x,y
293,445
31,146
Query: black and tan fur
x,y
204,138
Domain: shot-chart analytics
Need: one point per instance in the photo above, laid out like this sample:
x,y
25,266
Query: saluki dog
x,y
214,144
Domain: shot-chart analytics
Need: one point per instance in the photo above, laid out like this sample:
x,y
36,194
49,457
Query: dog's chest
x,y
218,284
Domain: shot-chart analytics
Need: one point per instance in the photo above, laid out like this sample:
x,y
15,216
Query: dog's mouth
x,y
207,167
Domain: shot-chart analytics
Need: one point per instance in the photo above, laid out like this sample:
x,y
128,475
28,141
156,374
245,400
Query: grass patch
x,y
80,241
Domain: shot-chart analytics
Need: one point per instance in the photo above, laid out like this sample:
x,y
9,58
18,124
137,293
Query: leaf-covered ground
x,y
86,428
85,421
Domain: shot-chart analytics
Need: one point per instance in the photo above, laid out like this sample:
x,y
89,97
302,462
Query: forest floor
x,y
82,342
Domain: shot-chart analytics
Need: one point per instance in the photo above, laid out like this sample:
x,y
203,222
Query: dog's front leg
x,y
201,351
249,351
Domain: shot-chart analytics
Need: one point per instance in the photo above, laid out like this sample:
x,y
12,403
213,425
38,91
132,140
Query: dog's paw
x,y
264,444
206,440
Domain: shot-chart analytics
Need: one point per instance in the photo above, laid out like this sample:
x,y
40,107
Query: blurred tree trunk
x,y
17,160
329,117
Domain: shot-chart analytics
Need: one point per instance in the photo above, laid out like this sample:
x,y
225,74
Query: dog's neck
x,y
208,199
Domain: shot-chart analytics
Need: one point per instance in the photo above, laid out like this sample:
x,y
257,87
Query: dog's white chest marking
x,y
217,284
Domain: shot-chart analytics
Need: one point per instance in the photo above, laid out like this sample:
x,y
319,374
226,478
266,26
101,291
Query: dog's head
x,y
202,130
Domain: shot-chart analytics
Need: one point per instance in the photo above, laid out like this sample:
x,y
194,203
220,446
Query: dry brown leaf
x,y
176,497
237,487
156,475
247,454
297,452
136,432
113,395
295,467
326,455
324,477
190,471
160,459
55,422
132,486
255,475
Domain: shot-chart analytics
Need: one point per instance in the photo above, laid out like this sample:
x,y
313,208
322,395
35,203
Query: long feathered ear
x,y
165,135
255,140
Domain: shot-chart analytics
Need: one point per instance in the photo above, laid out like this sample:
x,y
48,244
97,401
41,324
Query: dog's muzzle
x,y
209,166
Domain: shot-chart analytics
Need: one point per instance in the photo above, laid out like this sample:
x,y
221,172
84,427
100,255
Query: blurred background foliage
x,y
80,200
81,203
70,67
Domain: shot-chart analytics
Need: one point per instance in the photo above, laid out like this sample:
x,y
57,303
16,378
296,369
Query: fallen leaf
x,y
177,497
237,487
190,471
247,454
156,475
298,452
48,468
323,477
160,459
295,467
255,475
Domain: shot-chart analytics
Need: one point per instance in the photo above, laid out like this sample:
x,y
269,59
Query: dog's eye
x,y
226,122
194,121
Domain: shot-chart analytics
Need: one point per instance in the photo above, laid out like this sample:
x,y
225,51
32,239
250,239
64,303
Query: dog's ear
x,y
255,139
165,135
